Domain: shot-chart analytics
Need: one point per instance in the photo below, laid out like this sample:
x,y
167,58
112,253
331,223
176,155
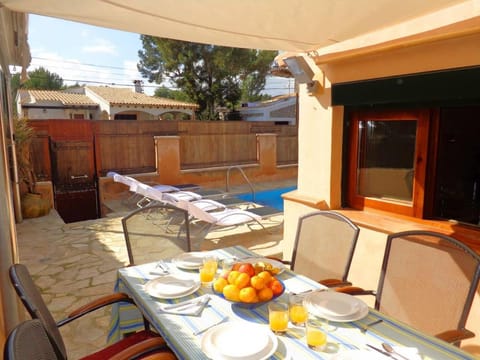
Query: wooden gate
x,y
74,179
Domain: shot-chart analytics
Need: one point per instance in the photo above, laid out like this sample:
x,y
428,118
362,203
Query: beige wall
x,y
320,143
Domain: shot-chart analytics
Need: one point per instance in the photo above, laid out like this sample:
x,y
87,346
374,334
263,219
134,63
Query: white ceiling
x,y
290,25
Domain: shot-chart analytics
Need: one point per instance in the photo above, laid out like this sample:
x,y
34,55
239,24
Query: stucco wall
x,y
320,143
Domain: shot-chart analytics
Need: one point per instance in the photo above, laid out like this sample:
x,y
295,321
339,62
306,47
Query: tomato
x,y
276,287
247,268
225,274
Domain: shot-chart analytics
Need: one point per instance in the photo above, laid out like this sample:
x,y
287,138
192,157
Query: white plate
x,y
358,355
274,263
171,287
190,260
336,306
222,342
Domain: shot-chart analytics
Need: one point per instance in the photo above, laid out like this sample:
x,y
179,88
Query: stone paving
x,y
77,262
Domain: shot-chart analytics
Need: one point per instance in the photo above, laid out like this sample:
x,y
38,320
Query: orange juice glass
x,y
316,335
297,311
278,317
208,270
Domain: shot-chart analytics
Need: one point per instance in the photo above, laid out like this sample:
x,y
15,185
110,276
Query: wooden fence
x,y
128,146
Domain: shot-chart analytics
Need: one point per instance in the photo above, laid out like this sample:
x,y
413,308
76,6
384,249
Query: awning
x,y
288,25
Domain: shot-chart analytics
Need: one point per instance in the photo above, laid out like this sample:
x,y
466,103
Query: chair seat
x,y
121,345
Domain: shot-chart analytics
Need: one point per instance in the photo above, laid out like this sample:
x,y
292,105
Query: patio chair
x,y
206,221
428,280
29,340
324,246
156,232
167,193
152,195
141,342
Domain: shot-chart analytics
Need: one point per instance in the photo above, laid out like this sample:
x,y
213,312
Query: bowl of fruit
x,y
246,286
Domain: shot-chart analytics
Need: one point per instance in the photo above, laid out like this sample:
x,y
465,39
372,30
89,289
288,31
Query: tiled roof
x,y
273,100
35,96
125,96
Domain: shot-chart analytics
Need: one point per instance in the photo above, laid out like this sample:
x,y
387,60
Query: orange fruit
x,y
265,294
219,284
242,280
276,287
265,275
247,294
231,292
258,282
233,276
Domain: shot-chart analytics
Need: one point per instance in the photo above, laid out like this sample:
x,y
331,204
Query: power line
x,y
80,63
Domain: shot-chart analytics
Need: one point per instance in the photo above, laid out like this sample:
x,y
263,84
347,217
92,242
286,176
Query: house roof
x,y
276,99
64,98
126,96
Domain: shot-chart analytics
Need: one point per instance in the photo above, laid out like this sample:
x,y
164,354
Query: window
x,y
387,161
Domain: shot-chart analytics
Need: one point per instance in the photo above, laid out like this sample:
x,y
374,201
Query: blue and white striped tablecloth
x,y
178,329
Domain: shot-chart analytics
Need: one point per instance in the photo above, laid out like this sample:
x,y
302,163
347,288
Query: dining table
x,y
185,332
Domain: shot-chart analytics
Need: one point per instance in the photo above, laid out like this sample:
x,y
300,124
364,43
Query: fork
x,y
365,327
162,267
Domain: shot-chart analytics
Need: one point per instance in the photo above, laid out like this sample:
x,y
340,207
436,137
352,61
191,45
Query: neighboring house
x,y
100,103
281,110
51,104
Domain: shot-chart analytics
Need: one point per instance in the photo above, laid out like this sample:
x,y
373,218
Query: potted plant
x,y
33,205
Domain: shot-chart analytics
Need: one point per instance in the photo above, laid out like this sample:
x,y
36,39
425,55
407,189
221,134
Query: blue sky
x,y
79,52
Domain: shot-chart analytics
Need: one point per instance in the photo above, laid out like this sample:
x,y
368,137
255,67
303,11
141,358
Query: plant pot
x,y
33,205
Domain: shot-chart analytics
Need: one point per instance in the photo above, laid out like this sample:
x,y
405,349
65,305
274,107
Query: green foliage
x,y
211,76
167,93
38,79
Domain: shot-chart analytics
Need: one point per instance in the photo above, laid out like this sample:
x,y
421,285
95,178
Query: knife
x,y
380,350
198,332
187,303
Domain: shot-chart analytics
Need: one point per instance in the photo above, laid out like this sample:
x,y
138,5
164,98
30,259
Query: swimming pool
x,y
271,198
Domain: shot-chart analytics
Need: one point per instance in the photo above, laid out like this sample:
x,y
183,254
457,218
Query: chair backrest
x,y
324,245
29,340
428,280
156,232
32,300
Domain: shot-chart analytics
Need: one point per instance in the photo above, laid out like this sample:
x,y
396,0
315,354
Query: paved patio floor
x,y
77,262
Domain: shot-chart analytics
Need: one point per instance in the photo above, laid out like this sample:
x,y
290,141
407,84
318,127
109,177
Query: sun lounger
x,y
208,221
154,192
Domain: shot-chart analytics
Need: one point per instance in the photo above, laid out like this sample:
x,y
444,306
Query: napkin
x,y
408,352
192,307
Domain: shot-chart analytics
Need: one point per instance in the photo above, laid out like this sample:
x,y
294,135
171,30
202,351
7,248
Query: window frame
x,y
357,201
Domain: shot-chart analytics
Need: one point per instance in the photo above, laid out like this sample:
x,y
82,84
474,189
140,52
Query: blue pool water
x,y
271,198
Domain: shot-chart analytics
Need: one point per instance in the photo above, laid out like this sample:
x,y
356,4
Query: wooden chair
x,y
428,280
140,343
324,246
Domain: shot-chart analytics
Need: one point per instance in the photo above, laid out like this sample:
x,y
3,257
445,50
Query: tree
x,y
165,92
211,76
38,79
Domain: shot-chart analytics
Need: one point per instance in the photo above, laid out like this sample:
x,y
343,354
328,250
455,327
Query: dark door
x,y
73,170
458,173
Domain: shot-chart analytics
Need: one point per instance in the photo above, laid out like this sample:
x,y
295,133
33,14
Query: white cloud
x,y
100,46
72,70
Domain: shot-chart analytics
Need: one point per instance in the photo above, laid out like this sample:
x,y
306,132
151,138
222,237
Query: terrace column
x,y
267,153
167,156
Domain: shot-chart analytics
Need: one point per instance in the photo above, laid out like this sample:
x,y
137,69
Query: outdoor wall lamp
x,y
304,74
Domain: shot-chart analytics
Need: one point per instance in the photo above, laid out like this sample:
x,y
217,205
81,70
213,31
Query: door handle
x,y
73,177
